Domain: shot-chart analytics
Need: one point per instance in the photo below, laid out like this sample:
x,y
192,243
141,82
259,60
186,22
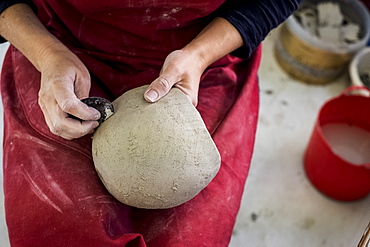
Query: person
x,y
63,51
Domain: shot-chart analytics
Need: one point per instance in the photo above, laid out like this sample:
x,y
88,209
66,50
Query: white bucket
x,y
311,60
360,66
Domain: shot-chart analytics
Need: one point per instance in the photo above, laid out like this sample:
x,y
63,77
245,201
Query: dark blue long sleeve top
x,y
254,19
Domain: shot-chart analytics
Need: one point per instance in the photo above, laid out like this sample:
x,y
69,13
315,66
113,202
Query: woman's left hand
x,y
181,69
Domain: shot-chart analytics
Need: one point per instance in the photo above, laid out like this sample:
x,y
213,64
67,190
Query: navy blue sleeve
x,y
254,19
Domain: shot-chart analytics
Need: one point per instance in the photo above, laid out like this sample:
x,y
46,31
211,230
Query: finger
x,y
59,124
68,128
70,104
159,88
76,129
66,91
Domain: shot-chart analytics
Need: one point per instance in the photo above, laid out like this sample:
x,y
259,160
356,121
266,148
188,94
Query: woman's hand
x,y
179,70
183,68
64,81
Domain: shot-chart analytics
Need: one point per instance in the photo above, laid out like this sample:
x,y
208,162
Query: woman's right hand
x,y
64,81
64,78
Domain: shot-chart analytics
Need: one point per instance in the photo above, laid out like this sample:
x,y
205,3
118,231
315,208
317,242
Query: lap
x,y
53,196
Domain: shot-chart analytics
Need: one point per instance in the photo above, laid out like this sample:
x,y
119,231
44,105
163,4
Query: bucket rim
x,y
353,67
363,13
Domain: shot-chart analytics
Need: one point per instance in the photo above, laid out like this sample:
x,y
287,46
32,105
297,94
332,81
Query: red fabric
x,y
53,196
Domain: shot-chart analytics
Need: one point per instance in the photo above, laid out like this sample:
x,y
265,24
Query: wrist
x,y
215,41
197,55
47,50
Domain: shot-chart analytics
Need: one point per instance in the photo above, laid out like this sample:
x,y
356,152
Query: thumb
x,y
158,89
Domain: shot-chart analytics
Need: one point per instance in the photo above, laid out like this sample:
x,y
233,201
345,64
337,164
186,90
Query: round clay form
x,y
154,155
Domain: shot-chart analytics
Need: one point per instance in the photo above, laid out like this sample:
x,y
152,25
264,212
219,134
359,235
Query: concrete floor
x,y
280,208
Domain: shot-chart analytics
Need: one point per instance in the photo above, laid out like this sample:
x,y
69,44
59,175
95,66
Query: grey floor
x,y
280,208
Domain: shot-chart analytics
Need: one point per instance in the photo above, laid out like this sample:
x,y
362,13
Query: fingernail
x,y
151,95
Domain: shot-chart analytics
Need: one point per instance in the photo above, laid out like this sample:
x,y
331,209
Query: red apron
x,y
53,196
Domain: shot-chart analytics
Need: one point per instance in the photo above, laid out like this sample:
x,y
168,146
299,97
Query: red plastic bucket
x,y
330,173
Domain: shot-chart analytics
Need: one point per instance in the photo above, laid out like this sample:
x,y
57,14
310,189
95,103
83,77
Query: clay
x,y
154,155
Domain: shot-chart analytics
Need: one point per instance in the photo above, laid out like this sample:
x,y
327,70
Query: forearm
x,y
218,39
20,26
